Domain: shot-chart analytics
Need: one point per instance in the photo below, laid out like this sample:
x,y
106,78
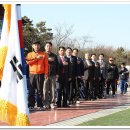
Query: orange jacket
x,y
37,66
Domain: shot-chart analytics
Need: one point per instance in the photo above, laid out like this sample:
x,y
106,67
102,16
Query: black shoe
x,y
58,106
40,109
31,109
66,106
47,107
113,95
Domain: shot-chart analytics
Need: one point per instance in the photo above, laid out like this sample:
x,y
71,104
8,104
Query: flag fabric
x,y
4,37
13,92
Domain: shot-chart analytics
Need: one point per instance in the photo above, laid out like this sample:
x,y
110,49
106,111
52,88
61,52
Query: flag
x,y
4,37
13,92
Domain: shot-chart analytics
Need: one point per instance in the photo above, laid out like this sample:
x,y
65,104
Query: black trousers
x,y
79,84
96,88
72,90
62,90
101,87
89,88
36,90
113,86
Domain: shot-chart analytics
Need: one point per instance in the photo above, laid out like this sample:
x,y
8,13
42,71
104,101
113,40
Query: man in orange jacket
x,y
38,69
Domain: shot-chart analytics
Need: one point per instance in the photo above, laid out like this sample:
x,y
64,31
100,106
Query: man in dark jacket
x,y
112,76
123,77
103,71
50,82
97,76
80,73
72,83
64,77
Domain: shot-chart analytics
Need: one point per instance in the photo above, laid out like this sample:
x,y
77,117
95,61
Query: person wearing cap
x,y
38,69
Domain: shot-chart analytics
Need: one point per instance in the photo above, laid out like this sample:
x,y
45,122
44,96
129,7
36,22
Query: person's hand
x,y
57,76
78,62
46,76
50,59
39,57
69,79
65,63
82,77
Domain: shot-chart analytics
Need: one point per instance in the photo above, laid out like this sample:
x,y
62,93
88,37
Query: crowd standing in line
x,y
61,80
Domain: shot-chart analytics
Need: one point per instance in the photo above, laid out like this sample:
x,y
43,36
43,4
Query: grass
x,y
121,118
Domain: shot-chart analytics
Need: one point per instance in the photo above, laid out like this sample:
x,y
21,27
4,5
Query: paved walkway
x,y
76,114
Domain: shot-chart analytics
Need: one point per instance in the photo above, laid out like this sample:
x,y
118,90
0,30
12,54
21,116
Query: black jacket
x,y
124,74
80,67
73,66
97,72
53,66
112,72
65,68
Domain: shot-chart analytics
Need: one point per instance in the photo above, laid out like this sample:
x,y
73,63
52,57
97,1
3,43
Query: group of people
x,y
61,80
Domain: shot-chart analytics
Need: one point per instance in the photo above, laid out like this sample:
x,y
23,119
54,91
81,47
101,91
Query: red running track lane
x,y
42,118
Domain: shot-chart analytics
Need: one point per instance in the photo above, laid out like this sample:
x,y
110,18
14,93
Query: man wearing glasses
x,y
112,76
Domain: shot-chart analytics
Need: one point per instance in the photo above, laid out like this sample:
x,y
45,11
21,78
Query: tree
x,y
86,40
120,55
62,33
32,34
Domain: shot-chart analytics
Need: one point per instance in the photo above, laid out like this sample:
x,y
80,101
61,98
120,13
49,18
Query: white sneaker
x,y
77,102
52,106
107,95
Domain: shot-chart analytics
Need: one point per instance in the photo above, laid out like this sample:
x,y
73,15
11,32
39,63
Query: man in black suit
x,y
80,73
97,75
64,75
72,83
103,71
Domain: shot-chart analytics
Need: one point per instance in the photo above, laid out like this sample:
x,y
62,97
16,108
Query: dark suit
x,y
64,75
97,77
89,79
103,70
112,76
80,73
72,83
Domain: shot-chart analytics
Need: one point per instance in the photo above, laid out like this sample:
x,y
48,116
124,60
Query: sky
x,y
107,24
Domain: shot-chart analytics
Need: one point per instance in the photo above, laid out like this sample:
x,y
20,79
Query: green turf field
x,y
121,118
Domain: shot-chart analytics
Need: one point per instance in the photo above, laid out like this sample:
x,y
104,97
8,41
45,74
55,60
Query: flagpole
x,y
20,30
21,36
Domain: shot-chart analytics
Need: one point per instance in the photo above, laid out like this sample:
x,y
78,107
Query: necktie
x,y
62,58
